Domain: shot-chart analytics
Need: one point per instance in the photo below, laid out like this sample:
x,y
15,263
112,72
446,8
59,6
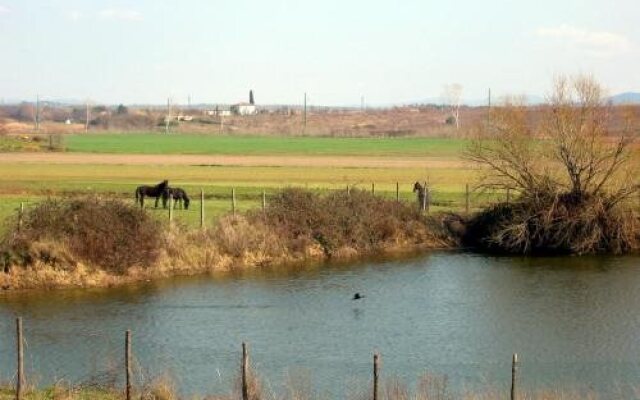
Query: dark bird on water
x,y
358,296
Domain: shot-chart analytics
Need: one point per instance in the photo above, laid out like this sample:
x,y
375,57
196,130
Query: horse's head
x,y
417,187
186,202
164,184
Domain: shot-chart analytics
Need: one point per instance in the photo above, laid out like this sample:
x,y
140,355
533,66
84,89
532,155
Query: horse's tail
x,y
137,194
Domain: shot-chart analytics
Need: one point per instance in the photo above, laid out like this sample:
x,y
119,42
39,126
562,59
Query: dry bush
x,y
562,224
574,176
108,234
346,223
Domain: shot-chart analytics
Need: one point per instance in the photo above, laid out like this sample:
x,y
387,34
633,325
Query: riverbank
x,y
96,243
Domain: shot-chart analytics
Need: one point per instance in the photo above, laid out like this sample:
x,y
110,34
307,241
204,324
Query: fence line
x,y
433,197
244,369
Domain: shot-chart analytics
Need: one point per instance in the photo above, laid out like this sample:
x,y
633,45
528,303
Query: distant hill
x,y
626,98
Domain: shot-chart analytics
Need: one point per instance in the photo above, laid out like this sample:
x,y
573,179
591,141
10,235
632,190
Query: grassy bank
x,y
153,143
101,242
66,393
299,385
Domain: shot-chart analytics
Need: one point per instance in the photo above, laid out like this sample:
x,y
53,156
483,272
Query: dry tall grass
x,y
99,242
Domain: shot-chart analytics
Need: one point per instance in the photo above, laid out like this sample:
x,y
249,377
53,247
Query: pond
x,y
574,321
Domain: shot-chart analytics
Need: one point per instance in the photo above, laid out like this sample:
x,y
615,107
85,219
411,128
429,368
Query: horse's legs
x,y
142,200
157,200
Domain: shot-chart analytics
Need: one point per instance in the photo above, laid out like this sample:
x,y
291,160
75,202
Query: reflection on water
x,y
574,322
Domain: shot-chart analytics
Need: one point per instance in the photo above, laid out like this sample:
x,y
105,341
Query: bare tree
x,y
595,161
572,151
572,172
452,95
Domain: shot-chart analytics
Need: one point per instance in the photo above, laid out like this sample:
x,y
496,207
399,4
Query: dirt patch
x,y
249,161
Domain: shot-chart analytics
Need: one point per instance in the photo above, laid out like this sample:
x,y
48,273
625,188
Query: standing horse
x,y
178,195
151,191
422,194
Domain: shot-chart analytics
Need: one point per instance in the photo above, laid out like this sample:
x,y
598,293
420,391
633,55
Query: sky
x,y
390,52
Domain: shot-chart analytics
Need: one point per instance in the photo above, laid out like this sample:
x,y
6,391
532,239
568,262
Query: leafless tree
x,y
572,150
452,95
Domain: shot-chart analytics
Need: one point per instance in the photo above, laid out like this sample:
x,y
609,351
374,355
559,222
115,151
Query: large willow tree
x,y
574,165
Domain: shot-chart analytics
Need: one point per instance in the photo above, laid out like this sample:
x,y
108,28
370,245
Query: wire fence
x,y
208,203
129,379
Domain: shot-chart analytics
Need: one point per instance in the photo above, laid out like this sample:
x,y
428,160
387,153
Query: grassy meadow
x,y
32,181
150,143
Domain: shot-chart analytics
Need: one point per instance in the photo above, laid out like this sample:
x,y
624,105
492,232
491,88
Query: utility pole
x,y
189,101
362,103
489,99
37,112
88,116
168,118
305,112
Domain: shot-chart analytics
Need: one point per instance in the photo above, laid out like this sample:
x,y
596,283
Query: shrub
x,y
108,234
555,224
355,221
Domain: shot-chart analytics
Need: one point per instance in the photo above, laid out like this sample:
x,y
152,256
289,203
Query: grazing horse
x,y
422,194
151,191
178,195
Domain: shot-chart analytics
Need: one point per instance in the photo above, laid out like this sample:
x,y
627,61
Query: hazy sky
x,y
142,51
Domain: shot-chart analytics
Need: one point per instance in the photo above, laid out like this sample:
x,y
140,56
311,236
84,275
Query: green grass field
x,y
30,182
150,143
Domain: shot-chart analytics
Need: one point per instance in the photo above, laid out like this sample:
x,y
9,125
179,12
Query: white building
x,y
244,109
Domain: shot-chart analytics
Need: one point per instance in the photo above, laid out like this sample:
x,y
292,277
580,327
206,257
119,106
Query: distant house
x,y
244,109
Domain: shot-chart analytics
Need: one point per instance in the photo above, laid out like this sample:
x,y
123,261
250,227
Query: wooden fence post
x,y
508,195
376,375
127,364
397,191
233,201
264,201
20,352
348,190
373,188
21,215
514,372
466,204
425,201
245,367
170,209
201,208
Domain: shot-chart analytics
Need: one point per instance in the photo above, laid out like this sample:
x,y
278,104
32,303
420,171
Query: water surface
x,y
574,322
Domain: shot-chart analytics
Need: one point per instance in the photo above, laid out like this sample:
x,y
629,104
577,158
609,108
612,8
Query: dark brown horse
x,y
422,194
178,195
151,191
